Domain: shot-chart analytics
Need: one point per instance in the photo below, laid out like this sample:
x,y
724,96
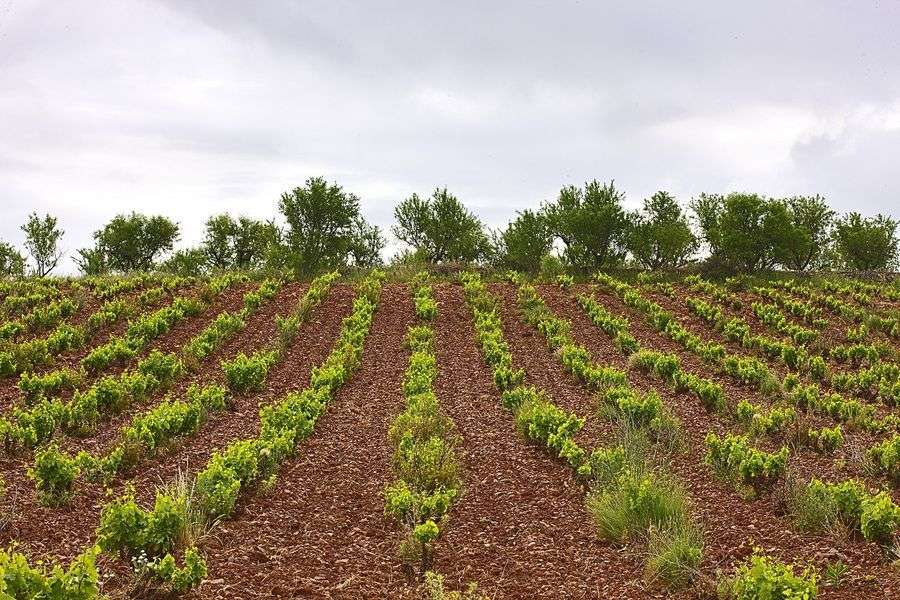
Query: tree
x,y
661,237
42,241
240,244
322,220
741,230
133,242
12,263
523,243
252,239
804,235
218,244
190,262
866,244
591,223
367,245
440,228
91,261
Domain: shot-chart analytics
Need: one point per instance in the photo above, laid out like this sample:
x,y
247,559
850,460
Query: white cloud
x,y
189,107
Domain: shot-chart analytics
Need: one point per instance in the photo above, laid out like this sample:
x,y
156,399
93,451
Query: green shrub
x,y
635,503
54,473
248,373
818,506
175,578
733,458
761,578
885,457
34,386
20,580
826,440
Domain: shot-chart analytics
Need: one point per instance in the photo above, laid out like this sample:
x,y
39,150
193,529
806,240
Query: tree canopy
x,y
440,228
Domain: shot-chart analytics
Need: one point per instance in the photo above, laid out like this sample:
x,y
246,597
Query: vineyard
x,y
452,436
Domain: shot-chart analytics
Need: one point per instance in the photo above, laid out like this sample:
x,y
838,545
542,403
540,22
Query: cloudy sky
x,y
187,107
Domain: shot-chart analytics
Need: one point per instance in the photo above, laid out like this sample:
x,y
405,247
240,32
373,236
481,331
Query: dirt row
x,y
520,528
733,526
20,505
9,391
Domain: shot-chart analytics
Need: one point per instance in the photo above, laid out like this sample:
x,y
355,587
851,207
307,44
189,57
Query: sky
x,y
188,107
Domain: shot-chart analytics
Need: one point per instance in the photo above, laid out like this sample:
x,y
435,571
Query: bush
x,y
248,373
826,440
635,503
885,457
79,582
733,458
761,578
35,387
53,473
818,506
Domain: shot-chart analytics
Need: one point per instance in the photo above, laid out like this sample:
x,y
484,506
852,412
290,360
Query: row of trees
x,y
585,228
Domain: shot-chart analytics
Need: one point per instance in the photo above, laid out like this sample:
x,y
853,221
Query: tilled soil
x,y
63,532
521,529
322,531
9,391
733,526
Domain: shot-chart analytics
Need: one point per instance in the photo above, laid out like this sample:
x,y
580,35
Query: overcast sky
x,y
186,108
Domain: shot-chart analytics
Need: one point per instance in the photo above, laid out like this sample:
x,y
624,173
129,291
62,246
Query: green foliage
x,y
248,373
636,502
288,327
524,242
818,506
202,345
423,297
12,263
885,457
741,230
440,228
542,421
237,244
803,237
130,243
53,473
866,244
826,440
35,387
175,579
733,458
661,237
80,581
762,578
591,223
434,590
322,222
186,262
674,556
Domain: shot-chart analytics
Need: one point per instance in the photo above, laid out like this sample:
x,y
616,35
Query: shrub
x,y
177,579
542,421
733,458
248,373
826,440
79,582
164,368
34,387
634,503
761,578
885,457
54,472
820,505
